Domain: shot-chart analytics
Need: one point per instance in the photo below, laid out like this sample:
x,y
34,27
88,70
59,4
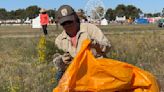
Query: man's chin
x,y
71,35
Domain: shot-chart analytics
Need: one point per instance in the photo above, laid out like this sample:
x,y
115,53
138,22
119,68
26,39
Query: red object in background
x,y
44,19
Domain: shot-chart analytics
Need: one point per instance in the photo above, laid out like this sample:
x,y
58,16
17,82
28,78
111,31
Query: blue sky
x,y
145,5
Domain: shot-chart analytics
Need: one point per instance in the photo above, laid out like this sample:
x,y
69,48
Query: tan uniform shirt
x,y
87,31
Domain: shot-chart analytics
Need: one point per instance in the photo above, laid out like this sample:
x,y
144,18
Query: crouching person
x,y
74,33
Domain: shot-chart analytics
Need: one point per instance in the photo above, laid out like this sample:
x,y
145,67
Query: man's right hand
x,y
66,57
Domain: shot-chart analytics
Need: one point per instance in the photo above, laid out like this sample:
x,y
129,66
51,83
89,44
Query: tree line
x,y
129,11
122,10
30,12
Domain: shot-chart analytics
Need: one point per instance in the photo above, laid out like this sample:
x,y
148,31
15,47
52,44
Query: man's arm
x,y
99,40
66,57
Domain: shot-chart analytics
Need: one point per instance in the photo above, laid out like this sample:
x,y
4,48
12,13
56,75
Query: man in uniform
x,y
74,33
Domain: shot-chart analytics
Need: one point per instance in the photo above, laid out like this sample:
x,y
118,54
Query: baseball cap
x,y
65,13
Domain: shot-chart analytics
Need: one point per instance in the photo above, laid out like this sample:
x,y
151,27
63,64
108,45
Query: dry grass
x,y
21,72
20,68
128,27
145,51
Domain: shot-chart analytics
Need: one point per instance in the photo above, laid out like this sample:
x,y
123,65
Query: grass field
x,y
20,70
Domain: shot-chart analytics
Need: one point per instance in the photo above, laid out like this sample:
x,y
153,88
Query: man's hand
x,y
94,44
99,48
66,57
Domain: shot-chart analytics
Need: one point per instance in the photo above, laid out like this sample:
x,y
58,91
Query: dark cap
x,y
65,13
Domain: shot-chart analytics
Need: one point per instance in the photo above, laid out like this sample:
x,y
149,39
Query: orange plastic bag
x,y
88,74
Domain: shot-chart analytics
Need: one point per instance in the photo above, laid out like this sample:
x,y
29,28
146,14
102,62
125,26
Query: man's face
x,y
70,28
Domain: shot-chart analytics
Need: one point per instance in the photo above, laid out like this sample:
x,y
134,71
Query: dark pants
x,y
44,27
58,76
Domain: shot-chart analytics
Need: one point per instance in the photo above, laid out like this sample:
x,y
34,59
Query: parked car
x,y
161,23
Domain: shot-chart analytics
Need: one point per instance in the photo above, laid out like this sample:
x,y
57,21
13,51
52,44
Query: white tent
x,y
120,19
36,22
104,22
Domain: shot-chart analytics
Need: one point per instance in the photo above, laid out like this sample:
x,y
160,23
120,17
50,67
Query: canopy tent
x,y
104,22
36,22
141,21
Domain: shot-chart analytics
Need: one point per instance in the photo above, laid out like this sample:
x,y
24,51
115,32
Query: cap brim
x,y
66,18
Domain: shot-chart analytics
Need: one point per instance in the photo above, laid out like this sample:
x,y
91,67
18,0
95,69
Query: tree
x,y
110,14
81,14
120,10
52,13
148,15
132,11
98,12
156,14
32,11
11,15
20,14
3,13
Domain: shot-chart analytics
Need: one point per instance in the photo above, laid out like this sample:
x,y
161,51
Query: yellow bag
x,y
88,74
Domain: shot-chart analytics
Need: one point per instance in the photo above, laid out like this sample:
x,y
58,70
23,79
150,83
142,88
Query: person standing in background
x,y
44,20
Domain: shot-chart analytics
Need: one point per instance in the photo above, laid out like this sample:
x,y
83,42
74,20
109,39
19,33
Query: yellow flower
x,y
52,70
52,80
42,49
